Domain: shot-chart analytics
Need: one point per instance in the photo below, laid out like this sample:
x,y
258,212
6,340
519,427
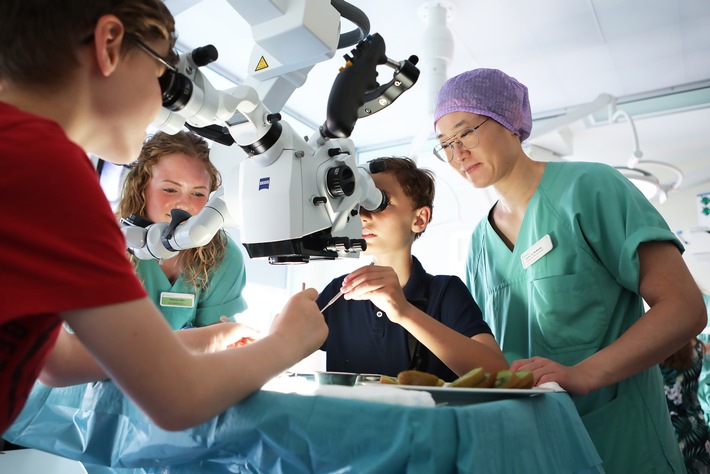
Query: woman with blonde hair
x,y
199,285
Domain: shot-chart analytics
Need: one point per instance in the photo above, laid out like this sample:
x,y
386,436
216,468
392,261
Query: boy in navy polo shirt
x,y
394,316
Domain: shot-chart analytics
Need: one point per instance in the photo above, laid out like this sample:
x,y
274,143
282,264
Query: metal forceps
x,y
337,296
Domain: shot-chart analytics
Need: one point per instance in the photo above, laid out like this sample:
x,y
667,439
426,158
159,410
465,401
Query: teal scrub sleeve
x,y
615,218
223,296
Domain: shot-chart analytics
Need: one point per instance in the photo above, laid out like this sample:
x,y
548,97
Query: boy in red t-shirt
x,y
76,77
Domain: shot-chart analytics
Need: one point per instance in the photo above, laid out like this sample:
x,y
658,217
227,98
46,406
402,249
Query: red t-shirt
x,y
60,248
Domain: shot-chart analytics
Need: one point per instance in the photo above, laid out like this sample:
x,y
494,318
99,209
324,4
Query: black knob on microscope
x,y
204,55
340,181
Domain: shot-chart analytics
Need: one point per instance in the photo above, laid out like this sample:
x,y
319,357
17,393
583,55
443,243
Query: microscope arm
x,y
311,189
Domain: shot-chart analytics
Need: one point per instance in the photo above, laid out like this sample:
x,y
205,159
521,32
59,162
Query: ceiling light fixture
x,y
648,183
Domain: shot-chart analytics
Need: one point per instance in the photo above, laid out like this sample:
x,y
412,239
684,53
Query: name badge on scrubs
x,y
177,300
539,249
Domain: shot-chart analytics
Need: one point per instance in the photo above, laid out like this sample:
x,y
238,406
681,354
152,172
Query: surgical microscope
x,y
297,198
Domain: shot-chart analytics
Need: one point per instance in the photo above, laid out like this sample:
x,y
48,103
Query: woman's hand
x,y
216,337
572,379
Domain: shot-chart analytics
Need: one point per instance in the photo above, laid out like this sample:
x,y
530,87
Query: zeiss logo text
x,y
264,183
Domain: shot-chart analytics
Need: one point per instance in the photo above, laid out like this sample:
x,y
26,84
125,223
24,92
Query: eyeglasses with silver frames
x,y
467,138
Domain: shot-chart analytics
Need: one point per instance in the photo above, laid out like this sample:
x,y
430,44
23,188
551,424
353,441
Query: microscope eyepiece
x,y
377,166
204,55
176,89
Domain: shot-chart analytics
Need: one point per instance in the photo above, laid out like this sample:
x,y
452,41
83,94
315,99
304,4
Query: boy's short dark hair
x,y
40,38
417,183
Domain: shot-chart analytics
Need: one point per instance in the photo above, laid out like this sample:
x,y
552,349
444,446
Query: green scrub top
x,y
579,297
223,295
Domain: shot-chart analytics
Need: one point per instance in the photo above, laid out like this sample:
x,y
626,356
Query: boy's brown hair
x,y
40,38
417,183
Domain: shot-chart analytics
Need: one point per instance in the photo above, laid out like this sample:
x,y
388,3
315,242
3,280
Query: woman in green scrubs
x,y
560,268
198,286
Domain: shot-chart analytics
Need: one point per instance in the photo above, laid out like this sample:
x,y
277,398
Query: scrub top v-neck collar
x,y
491,229
501,249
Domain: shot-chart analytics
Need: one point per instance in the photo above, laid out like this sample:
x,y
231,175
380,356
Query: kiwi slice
x,y
470,379
525,379
489,381
506,379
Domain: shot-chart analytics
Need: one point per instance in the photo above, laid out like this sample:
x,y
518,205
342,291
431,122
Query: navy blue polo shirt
x,y
362,339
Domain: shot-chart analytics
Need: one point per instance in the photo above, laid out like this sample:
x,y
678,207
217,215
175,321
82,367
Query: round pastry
x,y
388,380
416,377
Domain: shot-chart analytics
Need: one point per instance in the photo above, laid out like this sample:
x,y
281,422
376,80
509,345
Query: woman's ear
x,y
109,35
421,219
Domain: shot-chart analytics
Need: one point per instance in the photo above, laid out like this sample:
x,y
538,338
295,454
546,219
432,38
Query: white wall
x,y
681,213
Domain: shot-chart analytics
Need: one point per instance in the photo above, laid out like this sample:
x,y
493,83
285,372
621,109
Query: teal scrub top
x,y
579,297
223,295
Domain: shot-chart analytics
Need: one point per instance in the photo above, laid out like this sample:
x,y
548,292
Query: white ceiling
x,y
567,52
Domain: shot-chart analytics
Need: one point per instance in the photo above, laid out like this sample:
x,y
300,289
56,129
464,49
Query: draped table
x,y
272,432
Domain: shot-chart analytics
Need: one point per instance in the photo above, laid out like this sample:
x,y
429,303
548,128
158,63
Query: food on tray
x,y
525,379
489,381
470,379
389,380
476,378
506,379
517,379
416,377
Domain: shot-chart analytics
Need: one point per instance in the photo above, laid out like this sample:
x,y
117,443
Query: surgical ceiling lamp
x,y
648,183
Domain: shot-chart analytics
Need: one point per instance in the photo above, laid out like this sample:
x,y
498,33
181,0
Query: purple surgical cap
x,y
488,92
